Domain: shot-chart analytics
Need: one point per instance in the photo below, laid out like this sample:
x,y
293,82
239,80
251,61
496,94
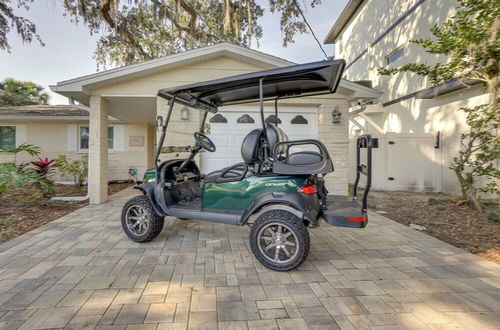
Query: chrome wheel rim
x,y
137,220
278,243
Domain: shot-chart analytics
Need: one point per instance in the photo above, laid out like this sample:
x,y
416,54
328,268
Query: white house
x,y
122,102
419,124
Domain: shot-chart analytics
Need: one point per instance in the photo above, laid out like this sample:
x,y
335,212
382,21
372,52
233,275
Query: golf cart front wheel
x,y
279,240
139,220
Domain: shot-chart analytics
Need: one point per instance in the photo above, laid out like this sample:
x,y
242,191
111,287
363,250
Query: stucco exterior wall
x,y
56,138
412,115
371,21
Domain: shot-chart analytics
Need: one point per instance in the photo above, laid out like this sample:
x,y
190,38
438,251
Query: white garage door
x,y
229,127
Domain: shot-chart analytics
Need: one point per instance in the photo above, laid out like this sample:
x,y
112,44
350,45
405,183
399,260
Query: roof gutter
x,y
446,87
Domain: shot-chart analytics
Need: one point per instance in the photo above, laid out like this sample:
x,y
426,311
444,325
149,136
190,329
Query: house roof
x,y
344,18
43,110
46,112
78,88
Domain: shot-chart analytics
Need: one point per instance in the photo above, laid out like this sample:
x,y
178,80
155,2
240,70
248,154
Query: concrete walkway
x,y
81,271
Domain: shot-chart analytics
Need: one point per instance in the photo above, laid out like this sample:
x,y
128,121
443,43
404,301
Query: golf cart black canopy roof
x,y
292,81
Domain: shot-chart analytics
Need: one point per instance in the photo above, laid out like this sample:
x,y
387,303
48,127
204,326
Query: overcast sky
x,y
69,48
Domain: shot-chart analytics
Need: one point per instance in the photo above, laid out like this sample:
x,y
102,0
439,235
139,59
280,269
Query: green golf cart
x,y
278,189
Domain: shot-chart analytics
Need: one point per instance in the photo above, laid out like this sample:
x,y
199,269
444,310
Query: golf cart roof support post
x,y
276,109
364,201
261,103
163,133
203,120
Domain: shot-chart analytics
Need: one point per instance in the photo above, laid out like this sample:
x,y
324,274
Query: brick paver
x,y
81,271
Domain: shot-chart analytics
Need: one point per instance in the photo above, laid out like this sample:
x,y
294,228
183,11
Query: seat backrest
x,y
250,146
275,135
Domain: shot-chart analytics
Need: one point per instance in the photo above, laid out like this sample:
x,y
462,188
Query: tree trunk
x,y
250,22
227,15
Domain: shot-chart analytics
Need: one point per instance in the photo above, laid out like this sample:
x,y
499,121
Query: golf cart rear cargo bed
x,y
343,211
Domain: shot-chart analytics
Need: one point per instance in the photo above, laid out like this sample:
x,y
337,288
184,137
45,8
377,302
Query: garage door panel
x,y
229,136
221,141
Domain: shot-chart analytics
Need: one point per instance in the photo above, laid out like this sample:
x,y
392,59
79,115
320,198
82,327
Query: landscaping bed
x,y
22,210
443,217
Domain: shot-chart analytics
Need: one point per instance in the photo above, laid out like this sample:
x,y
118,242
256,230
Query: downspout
x,y
360,112
77,198
71,102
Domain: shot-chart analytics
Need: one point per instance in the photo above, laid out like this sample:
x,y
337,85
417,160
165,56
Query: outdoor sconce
x,y
185,113
336,114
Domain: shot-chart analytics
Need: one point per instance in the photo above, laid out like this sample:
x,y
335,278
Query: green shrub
x,y
14,176
77,168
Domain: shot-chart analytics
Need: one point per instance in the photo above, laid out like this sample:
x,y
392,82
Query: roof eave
x,y
344,18
79,84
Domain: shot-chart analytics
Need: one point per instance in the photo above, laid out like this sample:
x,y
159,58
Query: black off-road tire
x,y
294,224
155,221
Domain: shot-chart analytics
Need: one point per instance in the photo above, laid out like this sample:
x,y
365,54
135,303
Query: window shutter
x,y
119,138
72,137
21,136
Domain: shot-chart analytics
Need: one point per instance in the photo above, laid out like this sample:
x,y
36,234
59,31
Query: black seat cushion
x,y
304,158
250,146
275,135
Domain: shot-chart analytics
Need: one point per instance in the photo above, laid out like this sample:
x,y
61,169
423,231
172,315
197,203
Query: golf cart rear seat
x,y
302,162
297,163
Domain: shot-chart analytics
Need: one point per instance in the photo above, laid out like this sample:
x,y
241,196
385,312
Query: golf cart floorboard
x,y
343,211
192,211
194,205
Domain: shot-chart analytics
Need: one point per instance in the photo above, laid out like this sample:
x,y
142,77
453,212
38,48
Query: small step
x,y
343,211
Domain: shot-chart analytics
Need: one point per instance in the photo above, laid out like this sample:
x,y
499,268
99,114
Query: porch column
x,y
335,136
98,150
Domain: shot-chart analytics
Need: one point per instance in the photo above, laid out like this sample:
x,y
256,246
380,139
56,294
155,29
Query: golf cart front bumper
x,y
343,211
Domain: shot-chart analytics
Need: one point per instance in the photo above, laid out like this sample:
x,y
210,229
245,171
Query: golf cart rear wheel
x,y
139,220
279,240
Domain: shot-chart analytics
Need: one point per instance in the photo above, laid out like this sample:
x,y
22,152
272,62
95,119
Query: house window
x,y
8,136
272,119
218,118
300,120
83,142
245,119
394,56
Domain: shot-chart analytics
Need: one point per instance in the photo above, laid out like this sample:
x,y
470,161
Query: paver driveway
x,y
81,271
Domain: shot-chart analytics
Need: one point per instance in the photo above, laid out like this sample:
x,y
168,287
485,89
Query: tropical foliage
x,y
15,92
77,168
470,42
44,166
13,175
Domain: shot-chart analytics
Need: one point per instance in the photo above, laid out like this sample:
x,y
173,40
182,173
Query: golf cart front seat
x,y
250,150
249,153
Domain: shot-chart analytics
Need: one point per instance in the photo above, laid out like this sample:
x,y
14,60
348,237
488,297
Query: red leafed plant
x,y
44,166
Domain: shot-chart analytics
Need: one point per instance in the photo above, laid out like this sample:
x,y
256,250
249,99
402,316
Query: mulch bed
x,y
444,218
22,210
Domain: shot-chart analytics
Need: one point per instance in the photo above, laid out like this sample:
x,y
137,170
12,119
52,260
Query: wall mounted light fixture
x,y
336,114
185,113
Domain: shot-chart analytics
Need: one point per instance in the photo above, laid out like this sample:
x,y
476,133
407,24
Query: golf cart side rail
x,y
364,142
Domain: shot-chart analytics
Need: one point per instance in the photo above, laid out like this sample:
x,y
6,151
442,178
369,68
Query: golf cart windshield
x,y
314,78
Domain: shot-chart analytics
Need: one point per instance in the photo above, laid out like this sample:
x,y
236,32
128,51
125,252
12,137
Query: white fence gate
x,y
403,161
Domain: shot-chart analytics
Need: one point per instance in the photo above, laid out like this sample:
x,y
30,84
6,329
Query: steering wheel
x,y
204,142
